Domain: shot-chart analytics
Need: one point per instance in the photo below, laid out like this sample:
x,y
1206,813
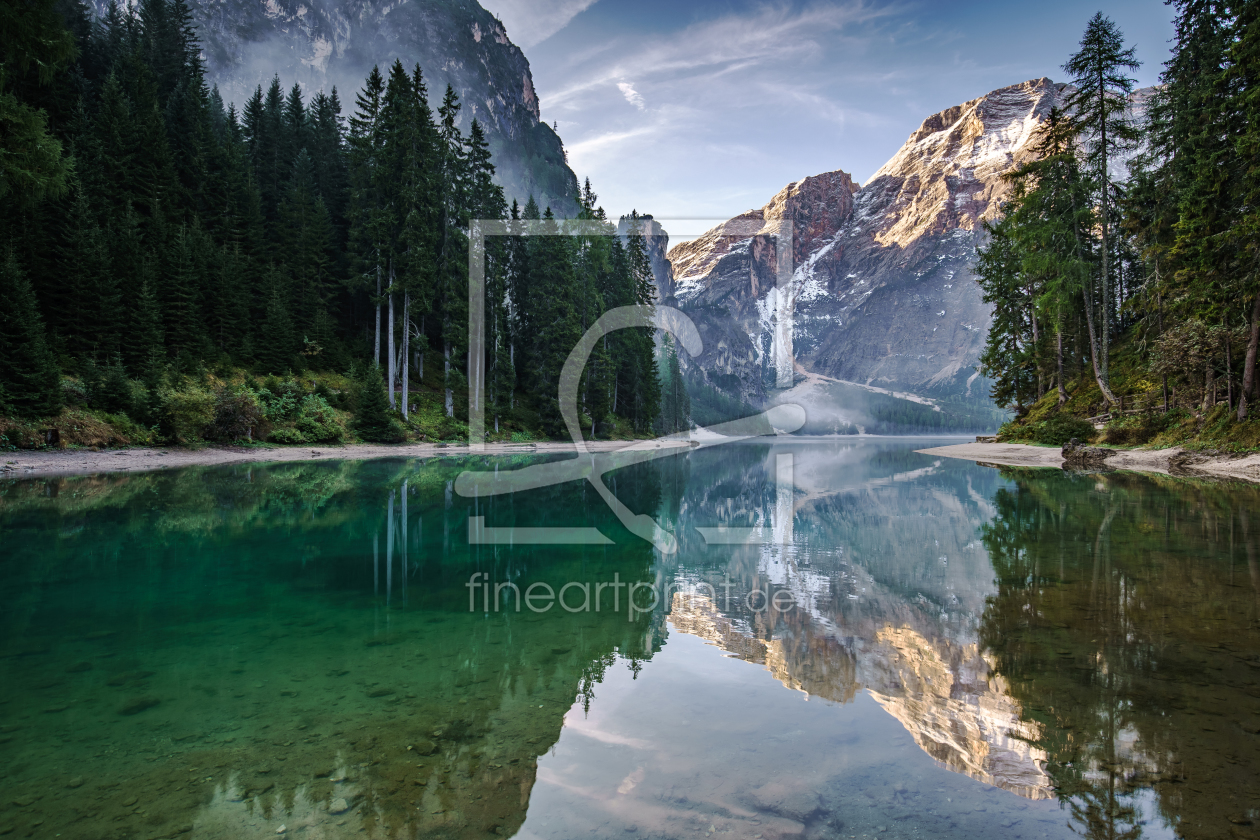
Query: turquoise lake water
x,y
849,639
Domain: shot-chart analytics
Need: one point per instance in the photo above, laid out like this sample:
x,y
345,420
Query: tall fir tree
x,y
30,383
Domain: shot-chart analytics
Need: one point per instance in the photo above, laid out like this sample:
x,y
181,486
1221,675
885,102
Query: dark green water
x,y
924,648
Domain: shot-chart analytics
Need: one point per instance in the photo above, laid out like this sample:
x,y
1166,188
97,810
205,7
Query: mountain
x,y
326,43
895,612
882,292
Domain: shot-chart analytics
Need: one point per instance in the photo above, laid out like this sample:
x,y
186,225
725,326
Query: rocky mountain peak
x,y
882,292
948,174
816,206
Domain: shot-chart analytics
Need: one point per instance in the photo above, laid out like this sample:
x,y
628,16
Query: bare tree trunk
x,y
1104,329
376,356
1229,371
1041,384
390,343
450,396
1208,386
1099,375
1249,362
406,351
1059,363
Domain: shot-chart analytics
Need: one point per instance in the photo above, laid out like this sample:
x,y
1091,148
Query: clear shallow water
x,y
962,652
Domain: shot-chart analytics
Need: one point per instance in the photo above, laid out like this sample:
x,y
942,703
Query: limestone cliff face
x,y
727,280
322,43
882,290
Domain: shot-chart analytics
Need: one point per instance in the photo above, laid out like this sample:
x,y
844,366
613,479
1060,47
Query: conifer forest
x,y
292,268
1123,270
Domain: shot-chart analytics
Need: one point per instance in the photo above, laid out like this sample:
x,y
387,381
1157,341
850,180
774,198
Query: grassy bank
x,y
1191,421
232,406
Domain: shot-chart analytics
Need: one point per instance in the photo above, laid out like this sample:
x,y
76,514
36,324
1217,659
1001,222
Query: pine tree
x,y
675,402
277,344
638,373
452,266
1244,78
374,419
555,316
143,343
328,153
368,228
307,245
184,269
32,165
1099,105
30,383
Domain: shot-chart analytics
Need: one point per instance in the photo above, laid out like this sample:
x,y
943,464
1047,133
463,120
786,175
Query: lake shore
x,y
62,462
1172,461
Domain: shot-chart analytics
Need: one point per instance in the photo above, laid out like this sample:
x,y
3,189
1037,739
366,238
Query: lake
x,y
820,639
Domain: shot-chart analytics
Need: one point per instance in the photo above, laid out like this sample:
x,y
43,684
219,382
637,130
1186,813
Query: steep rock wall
x,y
326,43
882,289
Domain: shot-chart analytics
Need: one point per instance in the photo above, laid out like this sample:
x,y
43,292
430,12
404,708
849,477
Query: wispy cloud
x,y
530,22
632,96
735,98
771,37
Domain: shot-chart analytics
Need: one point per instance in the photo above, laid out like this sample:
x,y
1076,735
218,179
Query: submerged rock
x,y
338,806
1077,455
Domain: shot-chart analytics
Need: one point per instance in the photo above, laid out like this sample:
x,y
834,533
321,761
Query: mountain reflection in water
x,y
972,653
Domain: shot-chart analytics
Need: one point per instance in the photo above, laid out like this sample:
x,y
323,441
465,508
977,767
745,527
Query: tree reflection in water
x,y
1126,625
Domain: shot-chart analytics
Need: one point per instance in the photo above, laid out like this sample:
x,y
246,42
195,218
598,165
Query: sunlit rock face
x,y
942,692
727,281
892,609
958,712
326,43
882,289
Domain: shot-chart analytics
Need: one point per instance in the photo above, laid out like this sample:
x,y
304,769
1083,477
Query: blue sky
x,y
706,108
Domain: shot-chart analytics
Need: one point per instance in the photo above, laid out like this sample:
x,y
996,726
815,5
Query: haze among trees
x,y
177,267
1124,269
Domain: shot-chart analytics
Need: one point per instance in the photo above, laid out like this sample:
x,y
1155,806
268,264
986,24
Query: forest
x,y
177,269
1123,270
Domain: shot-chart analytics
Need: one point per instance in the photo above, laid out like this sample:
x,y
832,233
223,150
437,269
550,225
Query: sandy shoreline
x,y
61,462
1173,461
64,462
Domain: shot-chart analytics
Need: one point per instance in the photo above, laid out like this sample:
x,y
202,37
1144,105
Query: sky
x,y
706,108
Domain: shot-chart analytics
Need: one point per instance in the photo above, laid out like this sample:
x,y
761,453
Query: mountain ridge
x,y
882,291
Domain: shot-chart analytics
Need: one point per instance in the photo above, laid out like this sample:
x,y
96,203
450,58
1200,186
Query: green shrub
x,y
238,415
317,421
1136,429
280,400
451,429
112,392
375,420
74,392
134,433
286,435
1054,431
186,412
